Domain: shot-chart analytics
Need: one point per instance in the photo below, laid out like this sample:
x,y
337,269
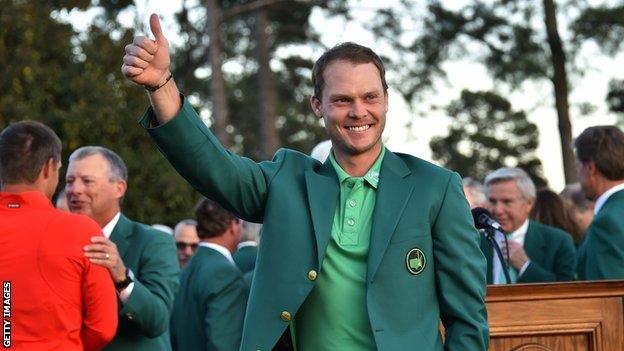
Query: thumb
x,y
157,30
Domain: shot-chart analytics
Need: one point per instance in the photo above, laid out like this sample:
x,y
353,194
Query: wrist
x,y
128,278
161,83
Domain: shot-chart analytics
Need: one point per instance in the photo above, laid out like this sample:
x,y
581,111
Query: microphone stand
x,y
489,234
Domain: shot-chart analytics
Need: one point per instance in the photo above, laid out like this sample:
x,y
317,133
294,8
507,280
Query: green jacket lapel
x,y
121,235
533,243
395,188
488,252
323,193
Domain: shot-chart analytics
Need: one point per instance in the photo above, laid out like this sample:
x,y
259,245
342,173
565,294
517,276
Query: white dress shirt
x,y
225,252
518,236
108,230
600,201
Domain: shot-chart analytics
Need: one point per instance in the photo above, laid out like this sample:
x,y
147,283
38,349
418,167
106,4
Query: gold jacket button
x,y
312,275
285,316
129,316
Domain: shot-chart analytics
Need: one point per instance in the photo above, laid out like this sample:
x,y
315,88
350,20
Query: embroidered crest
x,y
415,261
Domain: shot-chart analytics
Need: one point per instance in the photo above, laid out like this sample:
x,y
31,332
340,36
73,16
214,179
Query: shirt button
x,y
285,316
312,275
350,183
352,203
351,222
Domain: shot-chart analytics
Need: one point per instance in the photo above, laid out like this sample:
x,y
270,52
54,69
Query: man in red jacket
x,y
53,297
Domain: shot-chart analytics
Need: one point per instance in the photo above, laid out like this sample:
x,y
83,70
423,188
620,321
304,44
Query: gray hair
x,y
522,179
184,222
476,189
116,166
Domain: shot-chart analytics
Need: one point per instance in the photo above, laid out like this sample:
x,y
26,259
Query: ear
x,y
315,103
120,188
591,168
49,169
386,101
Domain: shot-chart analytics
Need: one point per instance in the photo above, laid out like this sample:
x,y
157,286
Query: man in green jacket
x,y
600,167
537,252
368,250
141,260
209,309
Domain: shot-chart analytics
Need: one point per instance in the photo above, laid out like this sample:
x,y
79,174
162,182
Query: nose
x,y
358,110
73,188
188,251
496,209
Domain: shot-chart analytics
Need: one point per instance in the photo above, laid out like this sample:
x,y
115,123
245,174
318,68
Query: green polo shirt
x,y
334,316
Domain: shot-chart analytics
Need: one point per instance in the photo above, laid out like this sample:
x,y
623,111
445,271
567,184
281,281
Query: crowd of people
x,y
361,248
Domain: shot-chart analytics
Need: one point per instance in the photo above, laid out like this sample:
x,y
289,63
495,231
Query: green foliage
x,y
604,25
78,90
288,26
486,134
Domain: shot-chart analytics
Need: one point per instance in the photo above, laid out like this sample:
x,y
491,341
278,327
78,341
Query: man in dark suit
x,y
141,260
58,299
368,250
600,167
537,252
209,310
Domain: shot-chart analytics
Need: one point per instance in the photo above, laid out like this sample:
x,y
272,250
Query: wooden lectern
x,y
571,316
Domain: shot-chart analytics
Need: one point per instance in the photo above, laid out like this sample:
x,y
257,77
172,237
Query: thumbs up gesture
x,y
147,61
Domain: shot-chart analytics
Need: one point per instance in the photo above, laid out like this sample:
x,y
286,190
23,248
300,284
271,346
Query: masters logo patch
x,y
415,261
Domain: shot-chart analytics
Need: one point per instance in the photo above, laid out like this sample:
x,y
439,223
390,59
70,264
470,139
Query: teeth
x,y
359,129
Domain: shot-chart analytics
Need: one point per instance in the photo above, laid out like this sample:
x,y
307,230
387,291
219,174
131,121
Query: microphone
x,y
483,219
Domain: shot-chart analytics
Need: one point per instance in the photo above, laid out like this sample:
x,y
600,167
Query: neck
x,y
606,184
358,165
104,220
23,187
221,240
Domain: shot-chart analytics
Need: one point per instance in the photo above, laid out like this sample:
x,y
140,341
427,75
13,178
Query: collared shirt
x,y
518,236
108,228
225,252
600,201
335,316
124,294
245,244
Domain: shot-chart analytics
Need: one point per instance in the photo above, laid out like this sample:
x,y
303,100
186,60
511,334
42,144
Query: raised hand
x,y
147,61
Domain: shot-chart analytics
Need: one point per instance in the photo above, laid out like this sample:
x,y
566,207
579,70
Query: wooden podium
x,y
556,316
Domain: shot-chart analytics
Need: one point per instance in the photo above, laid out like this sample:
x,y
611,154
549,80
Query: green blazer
x,y
601,254
152,257
551,251
420,210
245,258
209,309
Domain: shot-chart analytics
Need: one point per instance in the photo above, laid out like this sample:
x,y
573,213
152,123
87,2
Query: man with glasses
x,y
185,235
535,252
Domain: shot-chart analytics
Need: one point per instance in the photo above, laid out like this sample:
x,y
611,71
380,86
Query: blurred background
x,y
474,85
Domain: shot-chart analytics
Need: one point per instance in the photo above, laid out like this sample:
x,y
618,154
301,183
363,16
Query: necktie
x,y
513,274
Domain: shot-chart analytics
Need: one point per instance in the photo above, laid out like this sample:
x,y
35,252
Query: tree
x,y
505,35
267,109
473,148
75,86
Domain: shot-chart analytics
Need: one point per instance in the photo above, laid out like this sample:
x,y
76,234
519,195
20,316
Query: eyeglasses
x,y
182,246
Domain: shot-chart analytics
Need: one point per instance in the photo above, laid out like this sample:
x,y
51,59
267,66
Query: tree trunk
x,y
560,82
217,82
267,87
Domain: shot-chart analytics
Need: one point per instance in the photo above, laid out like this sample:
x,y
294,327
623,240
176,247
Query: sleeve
x,y
607,249
564,264
149,306
237,183
225,314
99,302
460,272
